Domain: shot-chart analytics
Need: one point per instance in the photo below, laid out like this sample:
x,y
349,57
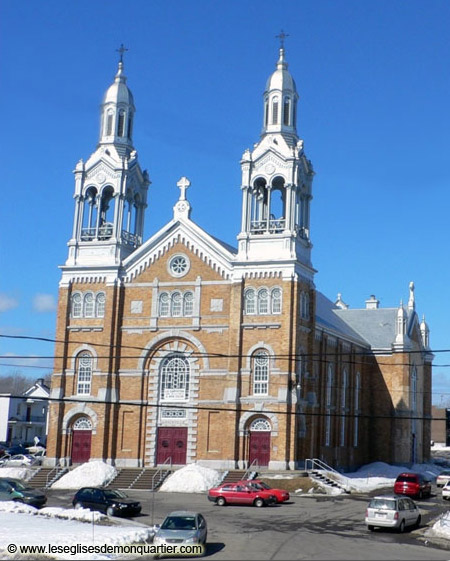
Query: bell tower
x,y
276,182
110,187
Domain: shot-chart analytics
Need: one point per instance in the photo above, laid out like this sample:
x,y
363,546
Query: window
x,y
328,402
121,124
304,305
175,377
188,304
276,300
84,368
343,405
109,121
260,373
356,405
249,301
176,304
266,113
89,305
286,111
275,111
164,307
100,305
178,265
77,307
130,126
263,301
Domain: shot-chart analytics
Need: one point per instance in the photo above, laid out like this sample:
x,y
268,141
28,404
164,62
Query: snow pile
x,y
441,528
192,479
92,474
81,514
16,472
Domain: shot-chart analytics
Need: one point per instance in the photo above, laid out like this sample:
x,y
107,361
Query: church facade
x,y
184,349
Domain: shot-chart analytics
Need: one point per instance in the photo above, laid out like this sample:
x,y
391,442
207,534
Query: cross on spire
x,y
282,36
183,184
121,50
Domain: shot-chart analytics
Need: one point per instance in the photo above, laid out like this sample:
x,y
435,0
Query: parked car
x,y
240,494
392,511
446,491
412,484
18,449
110,501
280,494
14,490
19,460
443,477
182,526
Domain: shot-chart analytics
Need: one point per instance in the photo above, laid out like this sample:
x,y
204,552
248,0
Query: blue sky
x,y
374,87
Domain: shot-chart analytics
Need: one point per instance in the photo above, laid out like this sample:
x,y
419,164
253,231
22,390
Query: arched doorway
x,y
259,446
81,440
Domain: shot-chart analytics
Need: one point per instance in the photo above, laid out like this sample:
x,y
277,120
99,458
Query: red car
x,y
280,494
412,484
241,494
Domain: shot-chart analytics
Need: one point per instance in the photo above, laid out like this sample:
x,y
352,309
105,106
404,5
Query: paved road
x,y
328,528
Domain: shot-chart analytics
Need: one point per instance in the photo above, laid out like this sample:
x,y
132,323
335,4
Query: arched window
x,y
276,300
88,305
304,305
77,305
175,378
260,369
266,112
286,111
82,423
130,126
100,300
109,123
188,304
260,425
177,304
356,406
249,302
343,405
121,123
164,305
84,373
328,402
263,301
275,111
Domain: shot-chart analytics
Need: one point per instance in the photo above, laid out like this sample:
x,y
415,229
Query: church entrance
x,y
259,447
172,443
81,440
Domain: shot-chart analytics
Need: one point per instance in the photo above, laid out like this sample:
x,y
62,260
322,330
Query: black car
x,y
111,501
14,490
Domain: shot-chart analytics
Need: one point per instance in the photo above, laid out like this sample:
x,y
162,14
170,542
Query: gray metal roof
x,y
376,326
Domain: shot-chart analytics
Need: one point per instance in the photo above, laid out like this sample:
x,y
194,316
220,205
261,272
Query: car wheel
x,y
221,501
401,528
371,528
259,503
110,511
418,521
78,506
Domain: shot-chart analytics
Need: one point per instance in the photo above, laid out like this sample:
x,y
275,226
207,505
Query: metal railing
x,y
52,474
253,467
161,474
319,465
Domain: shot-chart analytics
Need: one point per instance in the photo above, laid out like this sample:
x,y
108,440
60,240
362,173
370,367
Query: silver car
x,y
392,511
182,527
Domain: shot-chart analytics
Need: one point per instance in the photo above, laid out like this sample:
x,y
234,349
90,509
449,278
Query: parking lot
x,y
307,527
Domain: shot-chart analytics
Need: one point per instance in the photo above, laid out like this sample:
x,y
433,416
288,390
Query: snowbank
x,y
16,472
191,479
81,514
92,474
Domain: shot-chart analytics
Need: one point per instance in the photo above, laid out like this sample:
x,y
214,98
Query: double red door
x,y
171,443
260,447
81,446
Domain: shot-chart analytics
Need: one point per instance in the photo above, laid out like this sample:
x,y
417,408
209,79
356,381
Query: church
x,y
182,348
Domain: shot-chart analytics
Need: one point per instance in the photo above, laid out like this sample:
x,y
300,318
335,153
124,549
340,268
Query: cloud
x,y
44,303
7,302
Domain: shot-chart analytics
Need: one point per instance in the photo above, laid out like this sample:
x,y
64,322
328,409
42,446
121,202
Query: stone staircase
x,y
138,478
44,477
237,475
323,474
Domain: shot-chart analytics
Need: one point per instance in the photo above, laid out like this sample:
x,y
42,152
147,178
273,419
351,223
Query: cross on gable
x,y
183,184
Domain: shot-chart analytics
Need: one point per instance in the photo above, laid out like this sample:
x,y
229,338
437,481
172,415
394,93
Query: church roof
x,y
328,319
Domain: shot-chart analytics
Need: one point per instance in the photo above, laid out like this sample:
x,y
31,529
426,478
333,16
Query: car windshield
x,y
179,523
388,504
407,478
114,494
261,485
17,485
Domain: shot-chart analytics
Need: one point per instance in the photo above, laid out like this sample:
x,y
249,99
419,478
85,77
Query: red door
x,y
260,447
172,443
81,446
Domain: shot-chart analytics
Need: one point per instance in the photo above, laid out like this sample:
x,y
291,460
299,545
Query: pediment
x,y
186,233
100,173
270,163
